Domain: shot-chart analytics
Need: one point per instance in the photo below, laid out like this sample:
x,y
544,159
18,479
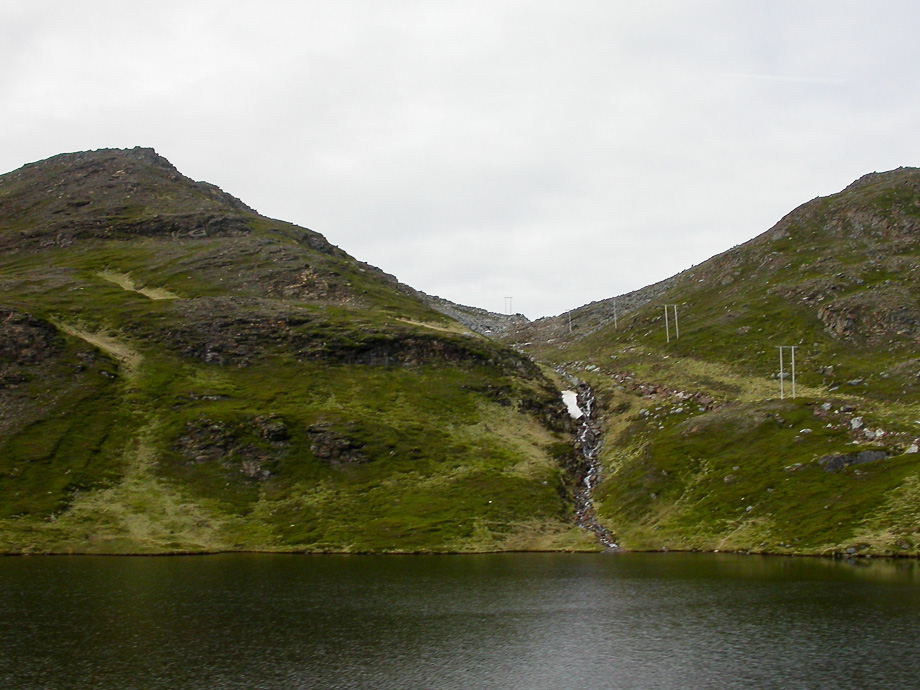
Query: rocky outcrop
x,y
112,193
26,340
872,316
585,320
840,461
236,331
247,450
335,446
481,321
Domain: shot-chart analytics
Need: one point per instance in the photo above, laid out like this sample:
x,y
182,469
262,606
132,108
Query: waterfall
x,y
588,440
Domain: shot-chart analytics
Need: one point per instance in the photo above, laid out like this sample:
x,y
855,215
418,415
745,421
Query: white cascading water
x,y
588,439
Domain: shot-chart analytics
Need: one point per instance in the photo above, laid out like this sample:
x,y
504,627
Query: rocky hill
x,y
705,445
482,321
179,373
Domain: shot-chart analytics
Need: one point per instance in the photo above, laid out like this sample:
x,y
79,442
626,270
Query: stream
x,y
581,405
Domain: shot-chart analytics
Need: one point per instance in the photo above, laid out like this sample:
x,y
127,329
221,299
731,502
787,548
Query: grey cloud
x,y
558,153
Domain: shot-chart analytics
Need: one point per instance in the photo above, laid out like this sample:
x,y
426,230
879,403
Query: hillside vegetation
x,y
179,373
700,449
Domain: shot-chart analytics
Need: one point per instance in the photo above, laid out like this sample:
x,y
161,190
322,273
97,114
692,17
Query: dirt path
x,y
126,282
129,360
142,513
443,329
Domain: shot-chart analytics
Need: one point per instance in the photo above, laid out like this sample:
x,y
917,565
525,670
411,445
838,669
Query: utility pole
x,y
667,328
615,314
792,350
782,371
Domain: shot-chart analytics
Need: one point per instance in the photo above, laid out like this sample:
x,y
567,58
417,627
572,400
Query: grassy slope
x,y
256,389
706,455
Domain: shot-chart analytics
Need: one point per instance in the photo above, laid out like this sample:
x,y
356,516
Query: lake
x,y
523,621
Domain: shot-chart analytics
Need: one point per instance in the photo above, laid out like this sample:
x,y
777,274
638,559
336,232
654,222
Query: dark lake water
x,y
523,621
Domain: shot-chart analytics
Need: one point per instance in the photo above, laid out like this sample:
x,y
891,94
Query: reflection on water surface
x,y
492,621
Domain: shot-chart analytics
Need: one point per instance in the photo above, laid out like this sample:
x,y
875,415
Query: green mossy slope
x,y
700,451
180,374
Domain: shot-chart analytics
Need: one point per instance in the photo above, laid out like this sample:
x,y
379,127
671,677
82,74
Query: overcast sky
x,y
556,152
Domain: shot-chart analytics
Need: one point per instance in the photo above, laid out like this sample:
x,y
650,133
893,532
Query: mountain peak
x,y
75,158
107,192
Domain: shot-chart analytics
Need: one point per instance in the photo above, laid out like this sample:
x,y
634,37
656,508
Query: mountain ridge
x,y
181,374
598,314
700,421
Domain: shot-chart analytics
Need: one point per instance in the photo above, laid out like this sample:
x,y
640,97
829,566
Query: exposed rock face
x,y
28,346
235,331
112,193
271,428
872,316
835,462
26,340
585,320
334,446
193,226
481,321
228,445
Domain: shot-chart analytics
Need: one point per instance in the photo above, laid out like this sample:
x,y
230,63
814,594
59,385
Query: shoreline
x,y
619,551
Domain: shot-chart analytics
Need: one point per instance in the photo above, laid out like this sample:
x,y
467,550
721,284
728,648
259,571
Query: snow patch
x,y
570,398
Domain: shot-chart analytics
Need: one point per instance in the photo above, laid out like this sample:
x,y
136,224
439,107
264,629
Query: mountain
x,y
179,373
705,446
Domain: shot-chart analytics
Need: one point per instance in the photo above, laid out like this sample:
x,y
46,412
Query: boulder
x,y
839,461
